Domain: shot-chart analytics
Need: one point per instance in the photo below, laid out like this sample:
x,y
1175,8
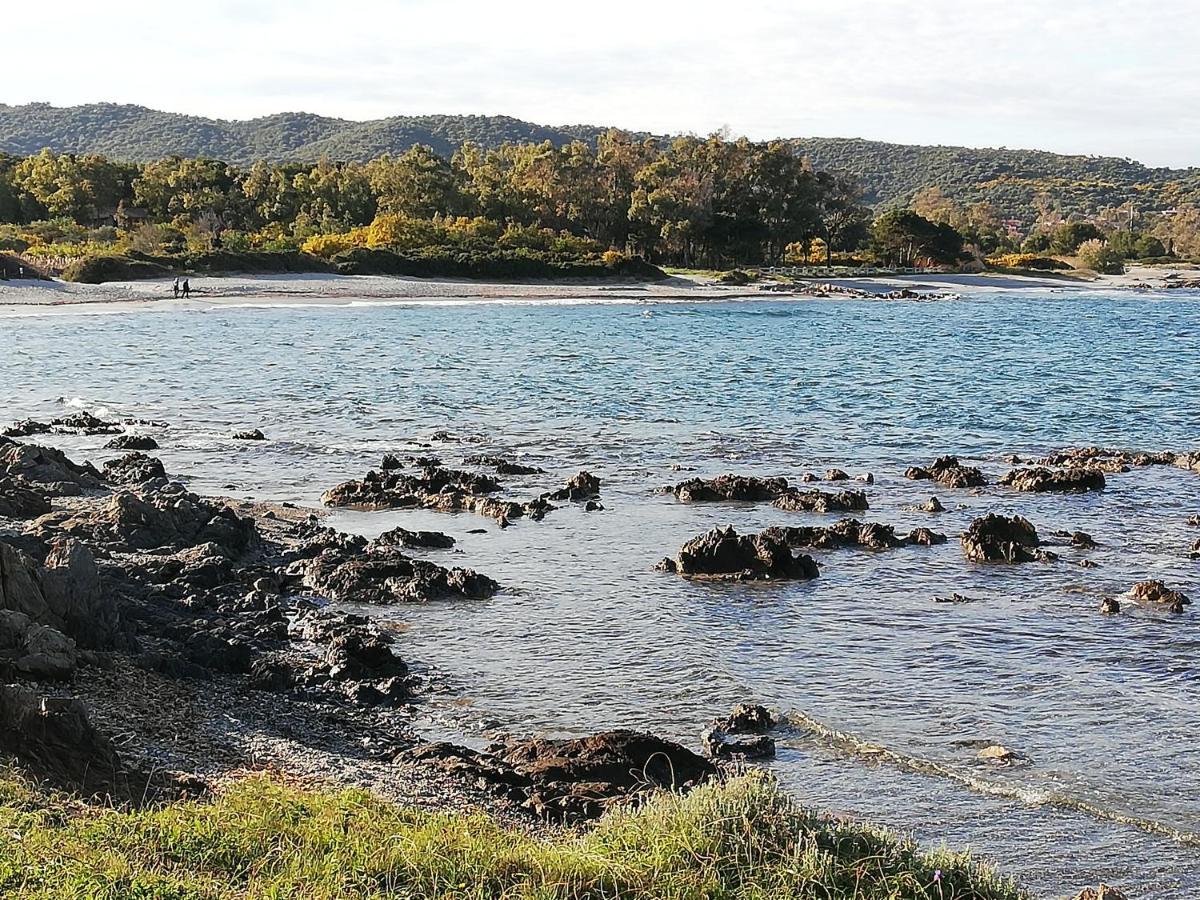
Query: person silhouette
x,y
175,287
187,289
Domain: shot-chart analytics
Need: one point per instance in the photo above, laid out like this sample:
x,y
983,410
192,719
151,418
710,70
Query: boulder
x,y
385,575
725,555
947,471
744,488
133,468
34,651
20,500
1075,480
392,489
1156,593
46,466
502,466
582,486
722,745
402,537
821,501
851,533
1104,892
254,434
836,475
994,538
132,442
1110,606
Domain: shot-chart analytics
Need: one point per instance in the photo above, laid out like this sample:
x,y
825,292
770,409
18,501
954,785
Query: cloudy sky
x,y
1110,77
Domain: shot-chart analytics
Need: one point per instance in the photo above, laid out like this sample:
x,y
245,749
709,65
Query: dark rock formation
x,y
1106,459
46,466
581,486
947,471
1156,593
1110,606
132,442
382,574
34,651
723,554
20,500
502,466
821,501
254,434
402,537
571,780
133,468
994,538
396,490
836,475
740,735
851,533
745,488
1074,480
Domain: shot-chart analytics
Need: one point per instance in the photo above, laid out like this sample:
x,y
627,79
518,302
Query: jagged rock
x,y
721,745
397,490
747,718
947,471
723,554
571,780
26,428
1075,480
390,462
932,505
745,488
851,533
1158,594
206,565
1195,554
56,740
1106,459
132,442
1189,461
46,466
19,500
502,466
582,486
133,468
402,537
359,655
955,598
836,475
998,753
33,650
994,538
1080,540
1104,892
821,501
169,517
1110,606
254,434
385,575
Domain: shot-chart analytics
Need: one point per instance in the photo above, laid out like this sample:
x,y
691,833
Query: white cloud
x,y
1090,76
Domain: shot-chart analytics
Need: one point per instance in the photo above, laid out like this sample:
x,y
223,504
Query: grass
x,y
261,838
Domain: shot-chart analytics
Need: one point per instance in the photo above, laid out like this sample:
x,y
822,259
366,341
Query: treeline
x,y
693,202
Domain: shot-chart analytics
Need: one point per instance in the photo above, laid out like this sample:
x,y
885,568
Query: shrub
x,y
1099,257
1026,261
99,269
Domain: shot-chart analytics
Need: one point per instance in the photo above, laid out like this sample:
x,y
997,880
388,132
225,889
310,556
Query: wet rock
x,y
1156,593
132,442
502,466
26,428
1103,892
571,780
955,598
390,462
1106,459
821,501
168,517
851,533
443,437
1194,521
402,537
745,488
1189,461
836,475
254,434
1075,480
747,718
84,423
593,506
46,466
932,505
1110,606
994,538
722,745
998,753
723,554
947,471
55,739
20,500
866,478
582,486
358,655
398,490
134,468
1080,540
32,650
1195,554
384,575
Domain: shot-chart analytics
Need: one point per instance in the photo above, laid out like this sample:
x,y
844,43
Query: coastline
x,y
313,290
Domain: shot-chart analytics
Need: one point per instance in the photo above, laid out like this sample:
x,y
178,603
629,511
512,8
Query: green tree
x,y
1067,237
418,183
905,238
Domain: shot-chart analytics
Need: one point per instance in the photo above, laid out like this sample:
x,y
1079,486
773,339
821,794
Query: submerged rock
x,y
947,471
994,538
392,489
1110,606
998,753
571,780
1074,480
1156,593
502,466
1106,459
821,501
254,434
402,537
723,554
745,488
132,442
851,533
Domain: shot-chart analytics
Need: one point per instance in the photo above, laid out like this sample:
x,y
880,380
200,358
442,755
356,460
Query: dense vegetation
x,y
260,838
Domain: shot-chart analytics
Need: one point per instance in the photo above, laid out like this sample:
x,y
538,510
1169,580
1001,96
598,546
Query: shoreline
x,y
316,290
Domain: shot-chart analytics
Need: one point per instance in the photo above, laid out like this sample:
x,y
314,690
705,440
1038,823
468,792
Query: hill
x,y
1017,182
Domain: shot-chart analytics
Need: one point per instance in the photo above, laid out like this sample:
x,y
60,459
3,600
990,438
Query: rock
x,y
397,490
998,753
443,437
583,486
132,442
169,517
385,575
1189,461
866,478
994,538
26,428
932,505
46,466
502,466
402,537
1158,594
359,655
723,554
34,651
1110,606
1194,521
133,468
744,488
83,423
851,533
571,780
1104,892
955,598
1075,480
821,501
721,745
55,739
1080,540
1195,554
254,434
947,471
836,475
746,718
1106,459
593,506
19,500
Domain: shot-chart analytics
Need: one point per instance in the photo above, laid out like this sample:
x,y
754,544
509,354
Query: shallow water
x,y
586,635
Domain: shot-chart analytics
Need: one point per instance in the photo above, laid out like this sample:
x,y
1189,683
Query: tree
x,y
905,238
184,191
1096,255
1067,238
81,188
418,183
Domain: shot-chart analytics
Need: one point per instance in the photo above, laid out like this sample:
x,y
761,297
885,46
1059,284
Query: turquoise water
x,y
586,635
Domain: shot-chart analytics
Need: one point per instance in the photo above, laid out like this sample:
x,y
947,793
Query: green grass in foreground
x,y
263,839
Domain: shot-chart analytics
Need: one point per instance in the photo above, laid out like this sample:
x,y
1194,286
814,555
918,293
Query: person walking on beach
x,y
187,289
175,287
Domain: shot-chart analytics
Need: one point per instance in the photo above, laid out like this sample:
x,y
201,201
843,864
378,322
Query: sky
x,y
1101,77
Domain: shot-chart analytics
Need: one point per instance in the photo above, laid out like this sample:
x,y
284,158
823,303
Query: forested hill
x,y
1015,181
137,134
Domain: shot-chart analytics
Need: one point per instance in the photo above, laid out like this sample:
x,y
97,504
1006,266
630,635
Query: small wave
x,y
853,745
